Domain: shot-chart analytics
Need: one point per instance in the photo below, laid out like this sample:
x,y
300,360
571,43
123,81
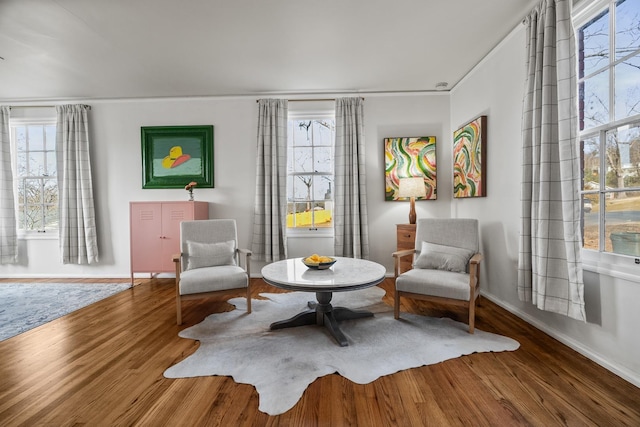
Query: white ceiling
x,y
96,49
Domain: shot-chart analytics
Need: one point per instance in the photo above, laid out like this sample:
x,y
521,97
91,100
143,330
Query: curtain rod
x,y
310,100
39,106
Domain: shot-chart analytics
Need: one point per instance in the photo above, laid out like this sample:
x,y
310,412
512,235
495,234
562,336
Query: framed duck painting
x,y
174,156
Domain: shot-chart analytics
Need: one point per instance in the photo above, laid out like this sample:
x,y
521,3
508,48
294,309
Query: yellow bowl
x,y
319,265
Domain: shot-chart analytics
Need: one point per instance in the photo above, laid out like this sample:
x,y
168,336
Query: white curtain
x,y
77,228
271,177
549,265
8,227
350,196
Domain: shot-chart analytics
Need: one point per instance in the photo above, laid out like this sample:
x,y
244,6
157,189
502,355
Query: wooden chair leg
x,y
472,316
396,305
249,296
179,309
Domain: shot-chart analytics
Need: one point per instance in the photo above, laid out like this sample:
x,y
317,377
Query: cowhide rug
x,y
282,363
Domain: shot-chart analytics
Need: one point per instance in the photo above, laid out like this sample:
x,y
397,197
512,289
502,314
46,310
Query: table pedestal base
x,y
323,314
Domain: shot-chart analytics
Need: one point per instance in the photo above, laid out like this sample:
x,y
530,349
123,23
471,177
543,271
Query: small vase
x,y
191,195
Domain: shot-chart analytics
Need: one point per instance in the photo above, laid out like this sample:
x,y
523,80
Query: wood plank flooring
x,y
103,365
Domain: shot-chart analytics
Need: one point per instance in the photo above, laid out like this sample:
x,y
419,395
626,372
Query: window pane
x,y
627,27
21,138
322,159
594,98
51,217
36,164
51,163
50,136
322,187
33,217
622,155
323,214
21,163
627,90
302,187
622,223
289,160
303,159
50,191
323,132
300,216
591,221
591,163
36,137
594,40
302,132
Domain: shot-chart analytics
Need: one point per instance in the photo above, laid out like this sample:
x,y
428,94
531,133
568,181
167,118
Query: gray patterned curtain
x,y
350,209
549,265
77,228
8,227
271,179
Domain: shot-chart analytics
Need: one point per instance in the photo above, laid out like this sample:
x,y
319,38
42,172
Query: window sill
x,y
612,265
319,233
38,236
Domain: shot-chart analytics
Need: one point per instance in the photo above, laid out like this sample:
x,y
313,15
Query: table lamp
x,y
412,188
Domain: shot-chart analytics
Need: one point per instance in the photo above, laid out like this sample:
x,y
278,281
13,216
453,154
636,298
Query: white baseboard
x,y
620,371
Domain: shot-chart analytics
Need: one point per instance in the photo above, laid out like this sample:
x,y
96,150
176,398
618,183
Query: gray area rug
x,y
24,306
282,363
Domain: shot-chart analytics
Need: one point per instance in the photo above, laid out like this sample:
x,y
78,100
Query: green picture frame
x,y
174,156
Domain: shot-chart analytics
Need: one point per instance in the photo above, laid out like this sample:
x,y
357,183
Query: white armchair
x,y
210,262
446,265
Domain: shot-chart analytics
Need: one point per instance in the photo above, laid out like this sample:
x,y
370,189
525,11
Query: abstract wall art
x,y
174,156
469,159
409,157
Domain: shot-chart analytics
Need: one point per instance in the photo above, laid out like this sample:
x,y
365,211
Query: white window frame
x,y
598,261
13,123
310,232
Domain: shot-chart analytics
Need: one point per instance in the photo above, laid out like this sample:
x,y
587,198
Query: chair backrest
x,y
207,231
458,232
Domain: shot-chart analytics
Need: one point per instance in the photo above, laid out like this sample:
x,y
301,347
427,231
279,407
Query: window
x,y
310,173
35,179
609,108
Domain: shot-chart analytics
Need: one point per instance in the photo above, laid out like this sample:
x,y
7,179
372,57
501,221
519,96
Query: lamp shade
x,y
412,187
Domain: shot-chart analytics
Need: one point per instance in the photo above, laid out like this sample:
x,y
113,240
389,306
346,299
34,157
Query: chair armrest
x,y
475,259
474,272
397,255
246,254
403,253
177,260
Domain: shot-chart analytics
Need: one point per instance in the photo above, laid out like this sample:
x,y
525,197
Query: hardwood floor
x,y
103,365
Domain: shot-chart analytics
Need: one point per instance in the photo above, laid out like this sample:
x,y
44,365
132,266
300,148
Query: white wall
x,y
116,158
610,336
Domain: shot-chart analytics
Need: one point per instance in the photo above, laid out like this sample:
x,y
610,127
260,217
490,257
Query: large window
x,y
36,186
609,107
310,173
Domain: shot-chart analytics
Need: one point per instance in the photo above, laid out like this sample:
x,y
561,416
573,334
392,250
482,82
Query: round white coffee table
x,y
347,274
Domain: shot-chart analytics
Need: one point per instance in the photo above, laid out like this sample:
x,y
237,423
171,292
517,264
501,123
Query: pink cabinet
x,y
155,233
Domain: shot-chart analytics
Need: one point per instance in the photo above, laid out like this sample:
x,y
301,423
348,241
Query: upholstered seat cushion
x,y
439,283
200,279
